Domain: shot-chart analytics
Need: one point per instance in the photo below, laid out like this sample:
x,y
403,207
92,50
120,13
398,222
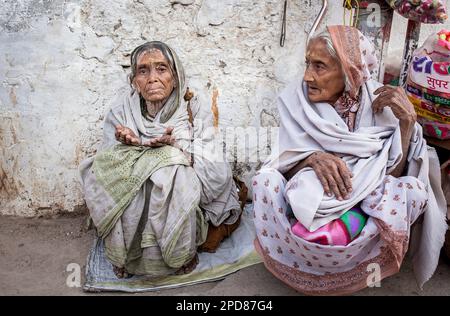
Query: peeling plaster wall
x,y
62,62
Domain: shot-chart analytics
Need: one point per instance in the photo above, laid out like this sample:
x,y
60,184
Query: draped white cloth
x,y
219,194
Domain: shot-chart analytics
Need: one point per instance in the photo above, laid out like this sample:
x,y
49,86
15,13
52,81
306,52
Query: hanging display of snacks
x,y
425,11
428,85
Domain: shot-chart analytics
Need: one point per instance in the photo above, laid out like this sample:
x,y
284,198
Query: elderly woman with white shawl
x,y
335,202
153,188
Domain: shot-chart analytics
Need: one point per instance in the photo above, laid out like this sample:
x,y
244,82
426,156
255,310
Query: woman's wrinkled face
x,y
154,79
323,75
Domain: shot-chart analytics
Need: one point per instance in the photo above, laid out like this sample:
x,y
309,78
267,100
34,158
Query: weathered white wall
x,y
63,61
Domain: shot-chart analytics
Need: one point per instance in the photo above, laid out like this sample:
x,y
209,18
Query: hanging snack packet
x,y
428,85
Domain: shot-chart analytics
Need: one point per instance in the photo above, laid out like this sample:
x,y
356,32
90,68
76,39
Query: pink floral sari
x,y
371,149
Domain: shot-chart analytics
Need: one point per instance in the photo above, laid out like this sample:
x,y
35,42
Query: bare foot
x,y
217,234
188,267
121,273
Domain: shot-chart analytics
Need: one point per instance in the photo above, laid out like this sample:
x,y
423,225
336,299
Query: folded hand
x,y
333,173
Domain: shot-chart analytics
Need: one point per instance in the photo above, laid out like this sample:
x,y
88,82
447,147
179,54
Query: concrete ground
x,y
34,255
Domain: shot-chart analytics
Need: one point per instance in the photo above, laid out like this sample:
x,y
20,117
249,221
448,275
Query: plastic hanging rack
x,y
354,12
317,21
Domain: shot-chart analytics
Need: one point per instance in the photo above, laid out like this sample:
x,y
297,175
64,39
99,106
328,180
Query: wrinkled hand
x,y
126,136
333,173
166,139
397,100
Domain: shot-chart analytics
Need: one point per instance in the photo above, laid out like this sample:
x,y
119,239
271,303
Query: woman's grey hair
x,y
148,47
326,37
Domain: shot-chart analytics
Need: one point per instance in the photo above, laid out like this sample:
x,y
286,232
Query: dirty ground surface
x,y
34,254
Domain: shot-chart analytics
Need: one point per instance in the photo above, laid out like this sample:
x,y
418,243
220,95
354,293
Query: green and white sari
x,y
149,205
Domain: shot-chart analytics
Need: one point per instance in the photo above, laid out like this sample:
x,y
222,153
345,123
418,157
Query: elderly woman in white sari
x,y
153,188
335,202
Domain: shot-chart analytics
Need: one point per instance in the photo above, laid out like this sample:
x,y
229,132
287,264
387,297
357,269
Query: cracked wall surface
x,y
62,62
